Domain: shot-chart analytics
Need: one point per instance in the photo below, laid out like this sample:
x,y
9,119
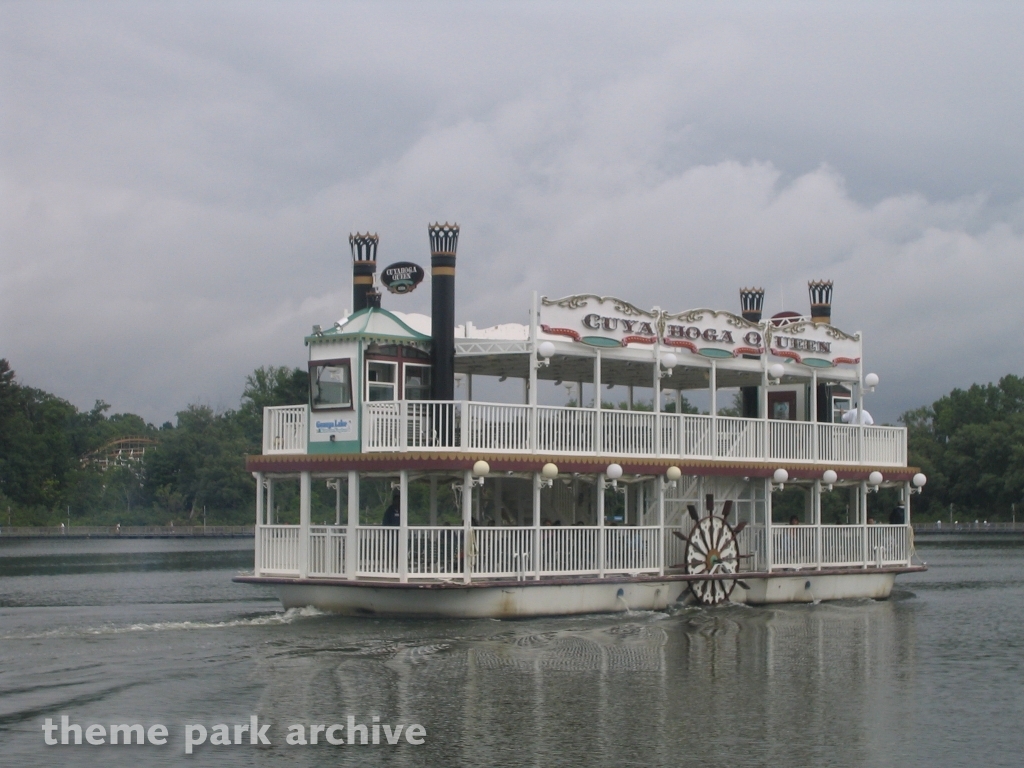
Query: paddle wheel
x,y
712,550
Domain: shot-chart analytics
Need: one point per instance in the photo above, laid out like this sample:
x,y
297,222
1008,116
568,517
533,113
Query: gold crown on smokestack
x,y
821,300
752,302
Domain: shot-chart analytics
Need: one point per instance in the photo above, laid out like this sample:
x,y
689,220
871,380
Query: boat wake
x,y
280,617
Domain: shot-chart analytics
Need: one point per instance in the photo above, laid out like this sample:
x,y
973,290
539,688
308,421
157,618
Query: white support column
x,y
259,524
403,526
271,512
860,410
763,405
305,493
337,501
536,525
657,400
433,499
816,497
713,386
814,414
862,511
768,524
532,386
403,425
661,526
351,535
906,521
597,402
600,525
468,548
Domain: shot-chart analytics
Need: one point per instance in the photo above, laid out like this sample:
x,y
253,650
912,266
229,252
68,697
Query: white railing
x,y
416,425
888,545
838,443
565,430
430,424
326,551
794,546
885,446
285,429
791,440
279,550
495,427
436,551
627,433
502,552
570,550
686,435
842,545
377,547
631,549
739,438
441,552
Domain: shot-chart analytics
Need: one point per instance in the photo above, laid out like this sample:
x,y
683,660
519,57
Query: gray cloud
x,y
179,181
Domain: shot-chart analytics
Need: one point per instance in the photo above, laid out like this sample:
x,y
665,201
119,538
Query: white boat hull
x,y
524,599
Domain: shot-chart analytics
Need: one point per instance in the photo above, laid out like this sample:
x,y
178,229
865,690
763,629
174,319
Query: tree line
x,y
970,443
52,466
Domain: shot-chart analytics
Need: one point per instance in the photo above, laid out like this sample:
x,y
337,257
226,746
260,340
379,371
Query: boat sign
x,y
402,277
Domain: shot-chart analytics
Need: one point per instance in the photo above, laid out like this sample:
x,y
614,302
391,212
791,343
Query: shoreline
x,y
128,532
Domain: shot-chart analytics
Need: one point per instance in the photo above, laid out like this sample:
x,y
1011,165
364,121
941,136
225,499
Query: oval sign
x,y
402,276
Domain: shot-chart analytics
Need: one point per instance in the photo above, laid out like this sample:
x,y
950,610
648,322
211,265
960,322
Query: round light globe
x,y
481,468
550,471
780,475
777,370
829,476
871,380
669,360
875,478
919,480
673,473
614,471
546,349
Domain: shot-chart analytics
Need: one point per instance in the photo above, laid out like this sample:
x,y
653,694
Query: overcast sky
x,y
179,180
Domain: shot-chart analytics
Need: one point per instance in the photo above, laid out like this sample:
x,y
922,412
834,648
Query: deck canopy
x,y
633,344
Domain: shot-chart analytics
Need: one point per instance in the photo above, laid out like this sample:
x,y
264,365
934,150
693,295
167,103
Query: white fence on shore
x,y
442,552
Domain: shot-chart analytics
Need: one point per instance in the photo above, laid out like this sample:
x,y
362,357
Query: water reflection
x,y
798,684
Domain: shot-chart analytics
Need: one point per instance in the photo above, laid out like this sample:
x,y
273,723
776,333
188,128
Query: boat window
x,y
330,384
380,380
840,405
417,382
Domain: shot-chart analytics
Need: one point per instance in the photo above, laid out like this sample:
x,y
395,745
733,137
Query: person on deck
x,y
392,515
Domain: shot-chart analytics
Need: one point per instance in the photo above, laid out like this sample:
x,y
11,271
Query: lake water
x,y
153,632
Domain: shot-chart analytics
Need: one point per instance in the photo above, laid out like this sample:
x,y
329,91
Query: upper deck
x,y
371,375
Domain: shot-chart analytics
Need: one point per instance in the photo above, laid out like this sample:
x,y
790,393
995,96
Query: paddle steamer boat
x,y
524,509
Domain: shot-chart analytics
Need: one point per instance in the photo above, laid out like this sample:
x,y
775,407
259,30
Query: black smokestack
x,y
820,292
752,303
821,300
364,266
444,239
